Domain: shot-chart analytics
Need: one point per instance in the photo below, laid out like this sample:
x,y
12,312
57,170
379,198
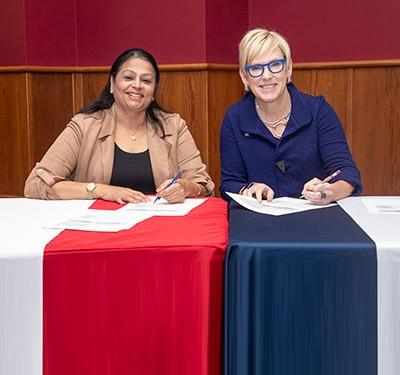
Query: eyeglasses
x,y
257,70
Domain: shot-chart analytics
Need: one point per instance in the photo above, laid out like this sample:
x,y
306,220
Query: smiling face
x,y
134,85
270,88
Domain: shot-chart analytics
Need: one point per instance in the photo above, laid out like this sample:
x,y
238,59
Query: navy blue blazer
x,y
312,145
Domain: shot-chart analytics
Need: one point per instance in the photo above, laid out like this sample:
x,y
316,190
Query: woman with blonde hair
x,y
278,141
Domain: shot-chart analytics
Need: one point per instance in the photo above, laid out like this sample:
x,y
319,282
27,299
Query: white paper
x,y
162,207
382,205
279,206
101,221
125,217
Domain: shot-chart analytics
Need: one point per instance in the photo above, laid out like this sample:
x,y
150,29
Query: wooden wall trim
x,y
29,116
106,69
54,69
197,67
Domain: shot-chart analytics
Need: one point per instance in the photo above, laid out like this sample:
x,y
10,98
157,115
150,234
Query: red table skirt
x,y
143,301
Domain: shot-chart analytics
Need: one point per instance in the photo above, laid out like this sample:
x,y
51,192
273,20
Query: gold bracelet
x,y
199,192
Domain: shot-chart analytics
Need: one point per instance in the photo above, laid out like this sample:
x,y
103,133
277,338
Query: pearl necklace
x,y
273,125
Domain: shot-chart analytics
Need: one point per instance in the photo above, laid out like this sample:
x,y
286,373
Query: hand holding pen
x,y
333,175
169,184
317,186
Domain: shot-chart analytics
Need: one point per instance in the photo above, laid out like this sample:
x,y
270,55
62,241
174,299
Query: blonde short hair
x,y
260,40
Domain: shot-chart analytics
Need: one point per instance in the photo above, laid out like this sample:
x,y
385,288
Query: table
x,y
310,293
143,301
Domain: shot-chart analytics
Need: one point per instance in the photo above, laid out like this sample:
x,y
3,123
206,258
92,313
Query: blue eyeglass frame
x,y
247,68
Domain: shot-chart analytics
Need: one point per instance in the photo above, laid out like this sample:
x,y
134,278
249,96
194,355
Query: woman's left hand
x,y
318,192
259,190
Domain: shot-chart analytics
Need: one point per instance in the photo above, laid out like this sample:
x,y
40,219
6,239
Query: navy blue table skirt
x,y
300,295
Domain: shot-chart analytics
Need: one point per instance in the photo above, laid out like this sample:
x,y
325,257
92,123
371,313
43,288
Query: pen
x,y
333,175
178,175
327,179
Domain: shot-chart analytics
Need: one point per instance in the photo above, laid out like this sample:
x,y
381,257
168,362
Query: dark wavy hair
x,y
106,98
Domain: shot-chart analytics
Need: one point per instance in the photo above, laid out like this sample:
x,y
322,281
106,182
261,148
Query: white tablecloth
x,y
384,230
21,254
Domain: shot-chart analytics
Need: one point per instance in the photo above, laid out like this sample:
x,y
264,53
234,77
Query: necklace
x,y
133,135
276,127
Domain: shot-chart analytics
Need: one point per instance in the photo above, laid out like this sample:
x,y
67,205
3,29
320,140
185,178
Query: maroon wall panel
x,y
50,32
173,31
226,22
333,31
12,32
90,32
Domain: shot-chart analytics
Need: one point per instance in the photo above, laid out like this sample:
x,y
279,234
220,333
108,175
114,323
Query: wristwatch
x,y
90,188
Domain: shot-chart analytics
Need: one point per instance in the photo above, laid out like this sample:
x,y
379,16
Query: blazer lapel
x,y
107,141
160,150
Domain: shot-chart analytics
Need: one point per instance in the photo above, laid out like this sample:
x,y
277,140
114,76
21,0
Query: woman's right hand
x,y
259,190
118,194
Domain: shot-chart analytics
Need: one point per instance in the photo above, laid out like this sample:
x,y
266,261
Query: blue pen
x,y
178,175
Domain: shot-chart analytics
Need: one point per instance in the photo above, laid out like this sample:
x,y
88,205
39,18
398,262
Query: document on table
x,y
101,221
382,205
125,217
279,206
162,207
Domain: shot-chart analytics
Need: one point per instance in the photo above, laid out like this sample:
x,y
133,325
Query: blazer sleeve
x,y
334,149
233,170
58,164
189,159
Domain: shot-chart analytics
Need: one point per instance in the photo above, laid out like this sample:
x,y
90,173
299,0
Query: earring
x,y
289,79
246,87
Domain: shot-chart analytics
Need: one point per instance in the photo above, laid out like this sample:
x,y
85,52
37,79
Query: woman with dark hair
x,y
123,145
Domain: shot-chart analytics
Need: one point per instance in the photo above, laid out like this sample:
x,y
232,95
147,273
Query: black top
x,y
133,170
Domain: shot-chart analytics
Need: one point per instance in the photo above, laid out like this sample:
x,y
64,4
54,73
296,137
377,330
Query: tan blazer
x,y
84,152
